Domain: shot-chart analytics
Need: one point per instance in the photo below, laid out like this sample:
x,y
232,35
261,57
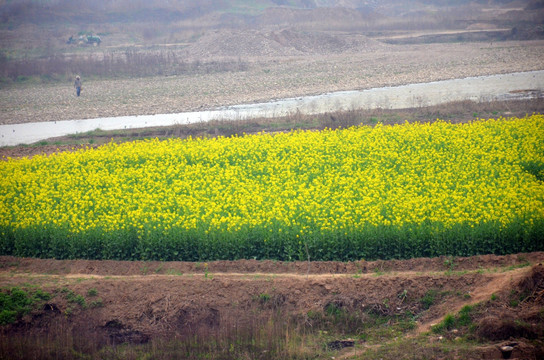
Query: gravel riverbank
x,y
266,79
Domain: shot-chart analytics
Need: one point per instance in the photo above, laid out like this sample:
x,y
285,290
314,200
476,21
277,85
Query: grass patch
x,y
422,348
16,302
450,321
73,298
429,299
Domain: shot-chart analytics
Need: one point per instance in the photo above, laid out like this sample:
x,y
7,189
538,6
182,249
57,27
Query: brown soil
x,y
145,300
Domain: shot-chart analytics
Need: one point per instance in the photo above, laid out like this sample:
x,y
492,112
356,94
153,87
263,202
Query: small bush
x,y
72,297
428,300
447,324
96,303
8,316
462,319
16,302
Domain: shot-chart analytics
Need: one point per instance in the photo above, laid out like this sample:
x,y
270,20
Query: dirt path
x,y
218,284
138,301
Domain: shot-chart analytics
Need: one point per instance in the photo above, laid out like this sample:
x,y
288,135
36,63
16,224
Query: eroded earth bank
x,y
445,307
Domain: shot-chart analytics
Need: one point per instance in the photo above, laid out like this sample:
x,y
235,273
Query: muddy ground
x,y
142,301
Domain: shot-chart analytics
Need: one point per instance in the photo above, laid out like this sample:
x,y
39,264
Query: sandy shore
x,y
266,79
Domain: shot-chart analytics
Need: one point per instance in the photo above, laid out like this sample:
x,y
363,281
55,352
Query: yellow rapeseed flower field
x,y
418,189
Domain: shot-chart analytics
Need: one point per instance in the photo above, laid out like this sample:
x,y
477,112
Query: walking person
x,y
77,85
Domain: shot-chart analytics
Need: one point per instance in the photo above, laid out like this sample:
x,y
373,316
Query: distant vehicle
x,y
94,40
86,40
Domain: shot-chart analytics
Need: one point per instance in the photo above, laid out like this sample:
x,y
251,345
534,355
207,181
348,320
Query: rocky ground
x,y
367,64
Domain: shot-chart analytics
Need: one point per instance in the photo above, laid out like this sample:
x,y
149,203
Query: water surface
x,y
481,88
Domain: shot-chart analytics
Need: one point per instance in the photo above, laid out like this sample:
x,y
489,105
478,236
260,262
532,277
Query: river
x,y
481,88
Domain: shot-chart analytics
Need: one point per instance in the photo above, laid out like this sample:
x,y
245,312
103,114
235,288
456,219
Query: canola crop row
x,y
365,192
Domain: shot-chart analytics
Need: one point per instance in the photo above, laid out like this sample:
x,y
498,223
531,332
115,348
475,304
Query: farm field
x,y
446,305
379,192
366,234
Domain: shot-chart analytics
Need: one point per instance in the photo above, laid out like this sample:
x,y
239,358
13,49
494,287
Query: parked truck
x,y
84,40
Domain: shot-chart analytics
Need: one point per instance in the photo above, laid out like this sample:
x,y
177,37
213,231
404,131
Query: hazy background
x,y
169,56
45,25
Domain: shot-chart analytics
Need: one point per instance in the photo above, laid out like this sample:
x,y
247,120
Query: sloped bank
x,y
276,310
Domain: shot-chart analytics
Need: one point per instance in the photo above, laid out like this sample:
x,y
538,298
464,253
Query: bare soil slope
x,y
145,300
277,43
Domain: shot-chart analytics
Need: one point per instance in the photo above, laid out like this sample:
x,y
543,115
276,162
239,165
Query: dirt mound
x,y
322,43
286,42
237,43
514,312
534,283
503,328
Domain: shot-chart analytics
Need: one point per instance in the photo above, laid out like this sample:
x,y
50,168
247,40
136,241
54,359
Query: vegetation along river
x,y
481,88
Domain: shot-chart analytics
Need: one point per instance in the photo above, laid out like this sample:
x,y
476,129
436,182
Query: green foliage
x,y
96,303
516,297
174,272
447,324
22,78
74,298
429,299
462,319
371,243
333,310
264,297
450,264
535,168
16,302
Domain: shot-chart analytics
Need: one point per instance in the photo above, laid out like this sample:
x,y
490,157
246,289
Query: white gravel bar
x,y
481,88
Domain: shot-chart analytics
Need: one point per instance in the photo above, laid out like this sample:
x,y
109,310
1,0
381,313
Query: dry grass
x,y
461,111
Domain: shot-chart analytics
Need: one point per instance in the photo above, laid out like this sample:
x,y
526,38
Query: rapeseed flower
x,y
345,194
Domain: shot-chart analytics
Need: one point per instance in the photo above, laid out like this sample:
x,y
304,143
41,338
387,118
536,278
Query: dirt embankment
x,y
140,301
